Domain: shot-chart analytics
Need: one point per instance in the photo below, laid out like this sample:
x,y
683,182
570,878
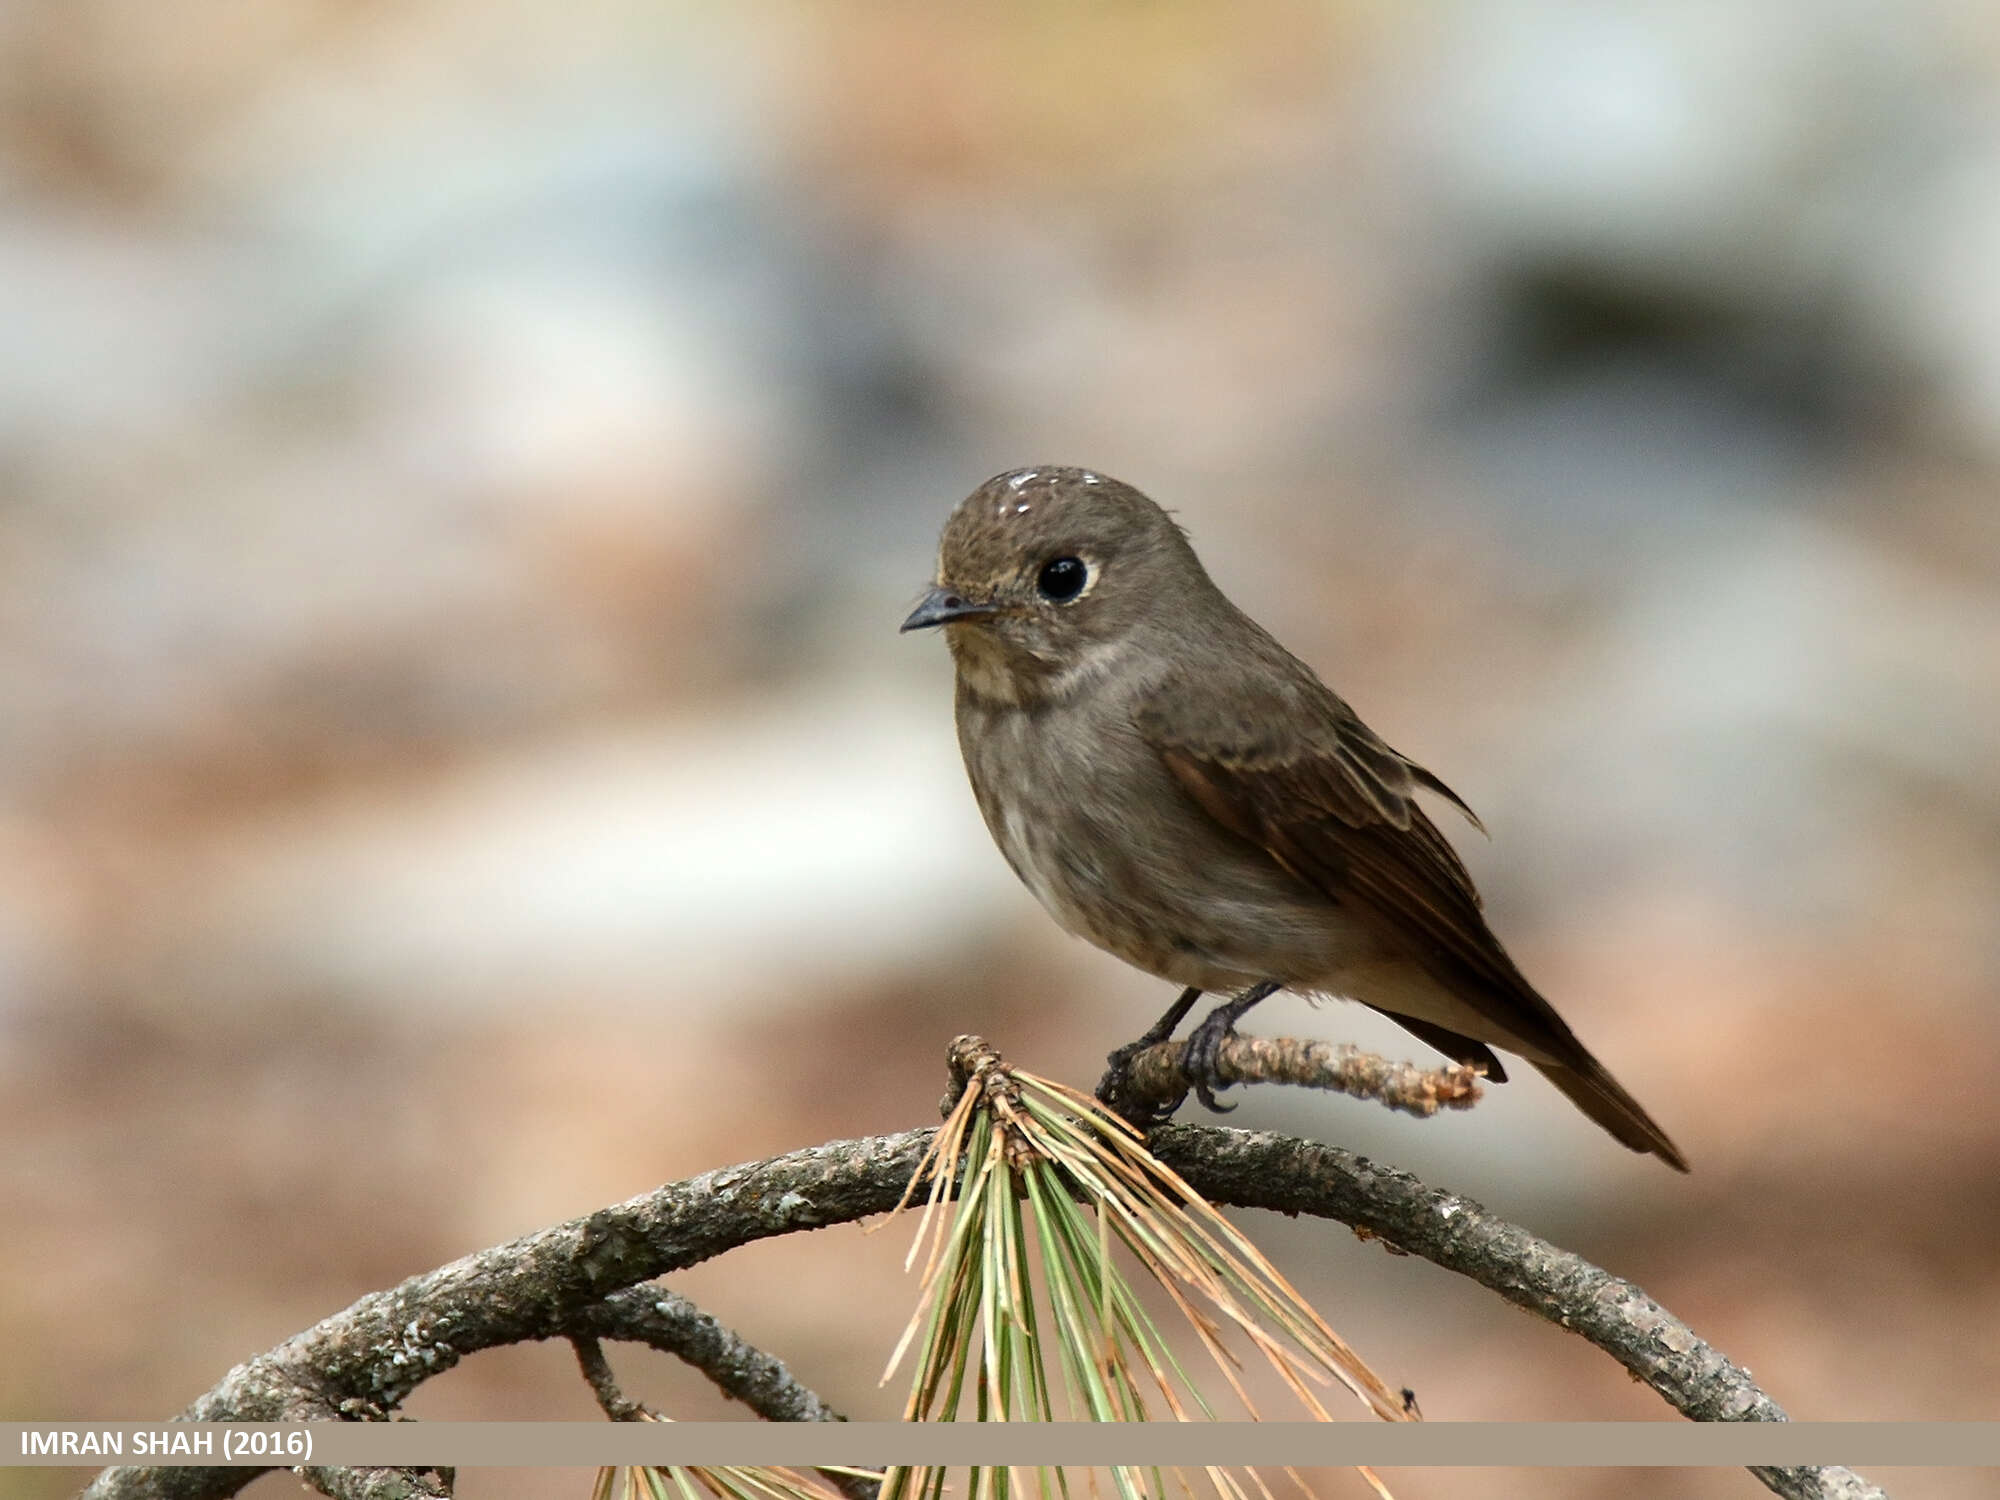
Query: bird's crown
x,y
1009,530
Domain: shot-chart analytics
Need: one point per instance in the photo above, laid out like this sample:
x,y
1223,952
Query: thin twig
x,y
668,1322
604,1385
1155,1076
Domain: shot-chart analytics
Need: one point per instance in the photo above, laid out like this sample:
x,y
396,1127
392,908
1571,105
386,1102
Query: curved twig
x,y
1257,1169
667,1321
376,1352
597,1374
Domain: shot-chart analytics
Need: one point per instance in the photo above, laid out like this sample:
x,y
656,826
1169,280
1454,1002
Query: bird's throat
x,y
992,671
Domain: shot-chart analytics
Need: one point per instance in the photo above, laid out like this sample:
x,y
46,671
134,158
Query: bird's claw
x,y
1208,1100
1203,1062
1114,1089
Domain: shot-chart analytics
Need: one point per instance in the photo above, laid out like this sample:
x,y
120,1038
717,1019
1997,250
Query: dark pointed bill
x,y
941,606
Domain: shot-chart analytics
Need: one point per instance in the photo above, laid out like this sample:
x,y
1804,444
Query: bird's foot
x,y
1115,1091
1203,1063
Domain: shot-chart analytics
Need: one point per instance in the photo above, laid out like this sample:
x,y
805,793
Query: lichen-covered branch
x,y
381,1484
1263,1170
366,1360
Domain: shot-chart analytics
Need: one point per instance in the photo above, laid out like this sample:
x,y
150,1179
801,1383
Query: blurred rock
x,y
768,855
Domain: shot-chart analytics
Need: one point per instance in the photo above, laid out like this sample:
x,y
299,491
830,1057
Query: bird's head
x,y
1042,574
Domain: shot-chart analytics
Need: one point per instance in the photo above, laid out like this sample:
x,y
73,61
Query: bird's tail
x,y
1597,1094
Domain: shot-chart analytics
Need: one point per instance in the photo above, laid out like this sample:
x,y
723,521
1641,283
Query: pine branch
x,y
572,1280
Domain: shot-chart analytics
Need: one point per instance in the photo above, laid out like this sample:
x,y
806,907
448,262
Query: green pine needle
x,y
1029,1176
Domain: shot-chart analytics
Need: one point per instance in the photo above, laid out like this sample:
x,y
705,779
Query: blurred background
x,y
462,466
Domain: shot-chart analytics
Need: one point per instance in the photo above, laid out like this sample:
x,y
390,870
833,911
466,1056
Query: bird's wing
x,y
1285,764
1326,798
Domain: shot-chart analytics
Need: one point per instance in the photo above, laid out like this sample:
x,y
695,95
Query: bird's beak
x,y
942,605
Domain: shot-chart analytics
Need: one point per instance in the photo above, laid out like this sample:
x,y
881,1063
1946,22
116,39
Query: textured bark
x,y
381,1484
1155,1076
572,1279
363,1362
1261,1170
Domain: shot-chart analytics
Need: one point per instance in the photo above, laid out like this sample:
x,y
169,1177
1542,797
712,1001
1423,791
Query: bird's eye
x,y
1062,578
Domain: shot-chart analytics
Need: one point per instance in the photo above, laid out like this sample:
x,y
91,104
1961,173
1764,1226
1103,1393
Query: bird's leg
x,y
1204,1048
1112,1087
1169,1019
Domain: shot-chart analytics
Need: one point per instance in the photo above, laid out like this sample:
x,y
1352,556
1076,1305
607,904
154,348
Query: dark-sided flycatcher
x,y
1176,787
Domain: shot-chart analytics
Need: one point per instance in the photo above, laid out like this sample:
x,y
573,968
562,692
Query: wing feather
x,y
1337,807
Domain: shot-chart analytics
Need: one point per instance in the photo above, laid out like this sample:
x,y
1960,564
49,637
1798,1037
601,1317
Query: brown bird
x,y
1177,788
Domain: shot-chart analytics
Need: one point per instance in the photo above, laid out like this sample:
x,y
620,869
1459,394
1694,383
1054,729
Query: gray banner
x,y
1300,1444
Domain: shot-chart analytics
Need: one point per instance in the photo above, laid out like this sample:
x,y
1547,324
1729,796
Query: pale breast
x,y
1115,851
